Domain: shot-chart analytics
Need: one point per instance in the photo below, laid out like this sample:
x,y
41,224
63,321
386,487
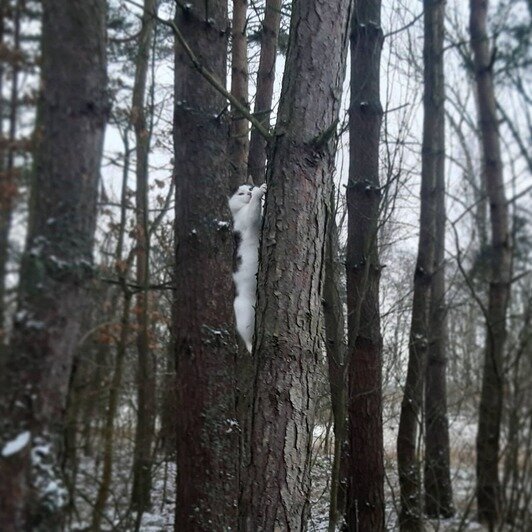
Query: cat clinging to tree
x,y
245,205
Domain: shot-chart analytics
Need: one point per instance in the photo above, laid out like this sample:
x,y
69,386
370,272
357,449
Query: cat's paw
x,y
263,189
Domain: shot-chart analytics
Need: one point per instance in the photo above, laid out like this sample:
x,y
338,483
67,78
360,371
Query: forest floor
x,y
120,518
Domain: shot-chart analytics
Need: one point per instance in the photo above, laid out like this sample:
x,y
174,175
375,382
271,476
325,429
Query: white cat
x,y
245,205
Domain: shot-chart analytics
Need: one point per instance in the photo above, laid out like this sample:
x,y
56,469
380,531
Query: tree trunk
x,y
207,440
239,143
489,423
410,517
290,280
264,94
146,402
8,187
336,348
437,477
365,502
108,430
57,263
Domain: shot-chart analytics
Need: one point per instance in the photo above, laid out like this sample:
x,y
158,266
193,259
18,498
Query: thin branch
x,y
208,75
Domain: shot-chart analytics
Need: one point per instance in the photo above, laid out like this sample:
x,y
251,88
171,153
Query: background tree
x,y
490,410
437,475
146,408
264,92
57,264
365,469
412,403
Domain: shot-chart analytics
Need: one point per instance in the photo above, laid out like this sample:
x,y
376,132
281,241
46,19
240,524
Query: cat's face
x,y
241,197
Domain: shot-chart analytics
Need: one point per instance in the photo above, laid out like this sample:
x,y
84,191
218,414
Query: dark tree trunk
x,y
336,348
489,423
290,285
410,517
8,187
207,435
437,477
365,502
146,402
264,94
239,144
58,260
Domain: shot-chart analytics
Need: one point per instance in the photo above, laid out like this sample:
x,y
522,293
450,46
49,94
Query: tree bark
x,y
410,517
365,469
489,423
437,476
207,441
239,143
290,280
57,263
264,94
146,401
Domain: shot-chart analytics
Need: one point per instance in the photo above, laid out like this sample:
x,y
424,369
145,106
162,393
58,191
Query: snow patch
x,y
17,444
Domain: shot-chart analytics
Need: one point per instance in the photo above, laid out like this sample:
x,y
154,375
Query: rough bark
x,y
264,94
239,143
336,348
365,469
58,260
207,440
290,280
489,424
437,476
410,517
146,402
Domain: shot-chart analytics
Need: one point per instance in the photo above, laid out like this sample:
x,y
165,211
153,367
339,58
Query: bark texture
x,y
410,517
146,406
58,260
207,431
264,94
489,423
365,469
239,144
437,475
288,322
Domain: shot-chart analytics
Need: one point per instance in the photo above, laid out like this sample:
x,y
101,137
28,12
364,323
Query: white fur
x,y
245,205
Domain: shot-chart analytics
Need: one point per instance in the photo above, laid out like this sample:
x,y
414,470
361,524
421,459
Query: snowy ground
x,y
163,494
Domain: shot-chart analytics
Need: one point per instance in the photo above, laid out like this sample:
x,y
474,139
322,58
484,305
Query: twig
x,y
208,75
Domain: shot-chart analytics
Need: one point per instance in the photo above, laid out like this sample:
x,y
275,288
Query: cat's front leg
x,y
257,193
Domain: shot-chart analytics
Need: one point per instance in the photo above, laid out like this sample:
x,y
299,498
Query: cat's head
x,y
241,197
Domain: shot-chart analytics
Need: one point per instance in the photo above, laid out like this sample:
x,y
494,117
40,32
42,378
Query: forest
x,y
342,344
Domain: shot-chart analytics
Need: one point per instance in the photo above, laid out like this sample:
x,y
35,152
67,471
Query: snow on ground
x,y
161,516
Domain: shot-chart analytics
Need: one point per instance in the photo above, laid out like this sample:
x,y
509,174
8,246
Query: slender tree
x,y
8,186
207,435
57,263
365,469
239,144
265,80
290,280
437,476
410,517
336,348
491,399
146,407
